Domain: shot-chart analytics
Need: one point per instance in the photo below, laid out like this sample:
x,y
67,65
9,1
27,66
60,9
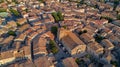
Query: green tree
x,y
54,14
59,14
11,33
3,10
96,6
41,1
54,30
80,32
15,1
53,47
116,2
107,18
65,27
81,63
18,24
77,61
82,2
1,1
99,38
15,12
114,63
88,56
8,2
102,1
1,45
26,10
84,31
118,16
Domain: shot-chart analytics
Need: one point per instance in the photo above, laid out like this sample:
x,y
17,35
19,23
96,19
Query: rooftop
x,y
86,38
6,55
39,45
107,44
72,41
22,63
96,47
21,20
69,62
24,27
7,40
20,37
43,62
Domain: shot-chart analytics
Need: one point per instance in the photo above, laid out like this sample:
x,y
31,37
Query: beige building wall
x,y
78,50
61,33
4,61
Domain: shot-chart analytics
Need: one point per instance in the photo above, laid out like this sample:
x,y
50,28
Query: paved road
x,y
60,55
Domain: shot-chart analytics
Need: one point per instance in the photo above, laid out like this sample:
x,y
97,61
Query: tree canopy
x,y
1,1
82,32
58,16
107,18
2,10
54,14
114,63
53,48
116,2
15,12
54,30
41,1
11,33
118,16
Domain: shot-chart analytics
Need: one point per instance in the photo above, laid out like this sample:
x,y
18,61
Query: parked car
x,y
59,44
67,52
63,48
